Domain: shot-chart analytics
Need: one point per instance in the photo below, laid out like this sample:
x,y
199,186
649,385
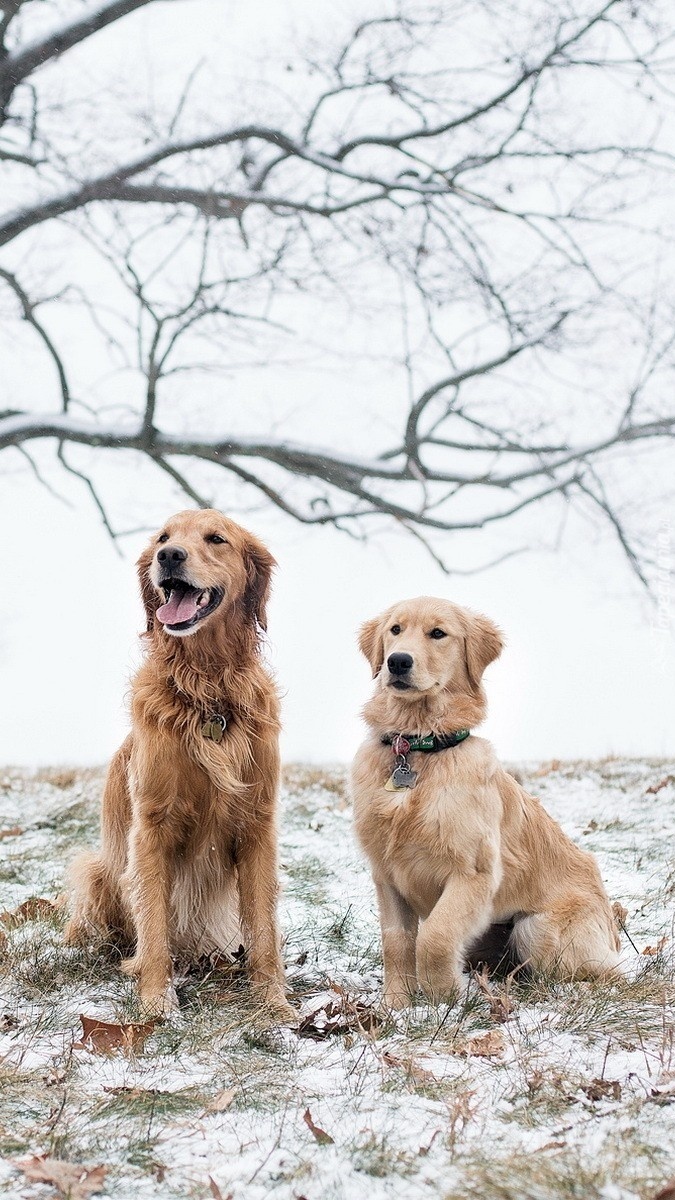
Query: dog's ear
x,y
148,594
371,643
259,567
483,643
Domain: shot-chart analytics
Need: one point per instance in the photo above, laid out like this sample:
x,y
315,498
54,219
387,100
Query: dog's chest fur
x,y
415,837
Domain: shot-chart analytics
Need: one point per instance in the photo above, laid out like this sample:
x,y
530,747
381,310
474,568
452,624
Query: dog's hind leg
x,y
96,906
96,900
571,940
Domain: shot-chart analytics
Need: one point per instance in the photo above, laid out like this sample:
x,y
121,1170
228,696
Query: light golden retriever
x,y
189,822
465,848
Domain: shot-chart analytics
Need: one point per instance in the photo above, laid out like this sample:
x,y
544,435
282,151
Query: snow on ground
x,y
573,1095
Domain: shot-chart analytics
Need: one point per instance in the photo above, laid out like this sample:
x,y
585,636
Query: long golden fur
x,y
188,859
467,848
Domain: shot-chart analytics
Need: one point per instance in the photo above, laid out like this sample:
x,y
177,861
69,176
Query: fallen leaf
x,y
656,787
663,1091
33,909
103,1036
653,950
323,1138
13,832
603,1089
216,1192
412,1069
8,1021
336,1012
501,1007
667,1191
485,1045
221,1101
72,1180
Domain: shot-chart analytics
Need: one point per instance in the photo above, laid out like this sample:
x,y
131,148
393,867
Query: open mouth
x,y
185,605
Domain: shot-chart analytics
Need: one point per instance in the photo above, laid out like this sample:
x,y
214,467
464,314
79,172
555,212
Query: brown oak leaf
x,y
33,909
105,1036
74,1181
603,1089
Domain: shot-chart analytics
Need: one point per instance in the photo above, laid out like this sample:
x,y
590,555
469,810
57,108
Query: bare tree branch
x,y
485,209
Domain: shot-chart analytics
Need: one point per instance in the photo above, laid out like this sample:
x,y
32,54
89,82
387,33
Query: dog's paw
x,y
285,1014
394,1001
159,1005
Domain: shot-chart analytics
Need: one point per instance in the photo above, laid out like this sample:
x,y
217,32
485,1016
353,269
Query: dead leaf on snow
x,y
412,1069
216,1192
34,909
337,1012
653,950
323,1138
104,1036
667,1191
13,832
221,1101
656,787
484,1045
663,1091
501,1006
71,1180
603,1089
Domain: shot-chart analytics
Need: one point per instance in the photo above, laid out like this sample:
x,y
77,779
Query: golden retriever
x,y
462,847
189,820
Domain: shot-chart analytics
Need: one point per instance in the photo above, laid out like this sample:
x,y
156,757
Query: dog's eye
x,y
215,539
163,537
395,629
437,633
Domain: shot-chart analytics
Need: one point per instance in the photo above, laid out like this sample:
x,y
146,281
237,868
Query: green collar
x,y
403,743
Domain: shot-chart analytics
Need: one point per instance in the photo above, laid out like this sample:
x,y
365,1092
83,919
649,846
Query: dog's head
x,y
429,646
199,559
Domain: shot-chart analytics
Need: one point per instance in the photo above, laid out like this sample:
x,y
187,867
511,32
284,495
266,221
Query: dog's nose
x,y
171,556
399,664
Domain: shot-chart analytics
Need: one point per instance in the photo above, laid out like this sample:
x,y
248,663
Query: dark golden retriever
x,y
457,847
188,861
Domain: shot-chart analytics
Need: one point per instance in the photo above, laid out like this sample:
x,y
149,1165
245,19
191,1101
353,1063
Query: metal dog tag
x,y
404,777
214,728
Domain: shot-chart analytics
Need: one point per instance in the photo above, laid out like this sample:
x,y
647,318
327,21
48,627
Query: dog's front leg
x,y
258,890
398,924
461,913
148,878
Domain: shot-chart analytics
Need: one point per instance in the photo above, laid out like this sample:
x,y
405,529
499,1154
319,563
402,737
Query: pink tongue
x,y
181,606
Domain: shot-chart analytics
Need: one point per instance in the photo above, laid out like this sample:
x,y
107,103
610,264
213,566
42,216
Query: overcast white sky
x,y
589,664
